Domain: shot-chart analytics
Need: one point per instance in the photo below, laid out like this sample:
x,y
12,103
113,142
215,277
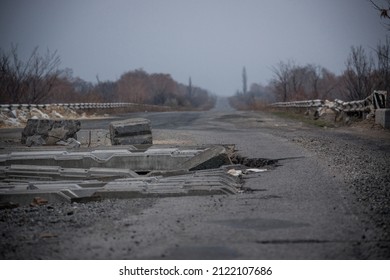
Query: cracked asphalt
x,y
328,198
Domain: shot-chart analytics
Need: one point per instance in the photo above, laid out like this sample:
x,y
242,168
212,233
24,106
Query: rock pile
x,y
19,117
49,132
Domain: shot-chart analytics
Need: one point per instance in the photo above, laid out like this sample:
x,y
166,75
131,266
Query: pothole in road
x,y
252,162
122,172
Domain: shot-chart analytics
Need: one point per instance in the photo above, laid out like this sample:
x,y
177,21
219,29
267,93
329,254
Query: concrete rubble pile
x,y
132,167
50,132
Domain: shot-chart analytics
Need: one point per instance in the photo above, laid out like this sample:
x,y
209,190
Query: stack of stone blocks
x,y
131,131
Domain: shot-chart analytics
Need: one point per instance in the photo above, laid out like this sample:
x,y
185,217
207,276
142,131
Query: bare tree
x,y
383,8
281,81
358,76
298,76
27,81
313,75
164,89
383,67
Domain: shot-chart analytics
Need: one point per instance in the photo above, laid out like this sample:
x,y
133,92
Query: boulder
x,y
131,131
48,131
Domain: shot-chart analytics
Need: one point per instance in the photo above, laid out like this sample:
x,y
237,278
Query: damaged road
x,y
303,207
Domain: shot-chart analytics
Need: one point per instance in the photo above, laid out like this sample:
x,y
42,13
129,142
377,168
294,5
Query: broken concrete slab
x,y
70,142
142,161
131,131
135,171
212,157
136,160
202,182
38,172
51,131
35,140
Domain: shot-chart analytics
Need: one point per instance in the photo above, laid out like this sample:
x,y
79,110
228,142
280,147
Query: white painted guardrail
x,y
73,106
375,101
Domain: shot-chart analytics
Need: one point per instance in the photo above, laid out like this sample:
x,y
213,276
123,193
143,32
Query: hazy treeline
x,y
38,79
366,70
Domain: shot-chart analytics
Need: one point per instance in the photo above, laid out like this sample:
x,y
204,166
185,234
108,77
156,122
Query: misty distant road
x,y
305,208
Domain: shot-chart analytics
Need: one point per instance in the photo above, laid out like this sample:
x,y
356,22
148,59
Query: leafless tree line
x,y
38,79
364,73
27,81
295,82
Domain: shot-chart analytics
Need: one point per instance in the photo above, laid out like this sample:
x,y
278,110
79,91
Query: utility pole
x,y
244,81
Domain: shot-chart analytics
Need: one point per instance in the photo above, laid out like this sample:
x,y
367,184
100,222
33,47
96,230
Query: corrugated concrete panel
x,y
153,159
90,175
215,181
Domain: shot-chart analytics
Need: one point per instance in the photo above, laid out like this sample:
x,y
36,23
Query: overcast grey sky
x,y
209,40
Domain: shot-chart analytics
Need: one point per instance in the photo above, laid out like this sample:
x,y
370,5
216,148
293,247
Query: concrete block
x,y
130,140
131,131
382,117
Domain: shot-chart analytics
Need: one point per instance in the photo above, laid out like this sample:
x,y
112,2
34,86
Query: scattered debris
x,y
38,201
235,172
70,142
254,170
8,205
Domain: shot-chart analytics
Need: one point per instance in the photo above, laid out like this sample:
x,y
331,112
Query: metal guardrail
x,y
73,106
300,104
375,101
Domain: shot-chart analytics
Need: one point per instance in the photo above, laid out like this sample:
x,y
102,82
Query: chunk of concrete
x,y
213,157
70,142
51,131
382,117
35,140
131,131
